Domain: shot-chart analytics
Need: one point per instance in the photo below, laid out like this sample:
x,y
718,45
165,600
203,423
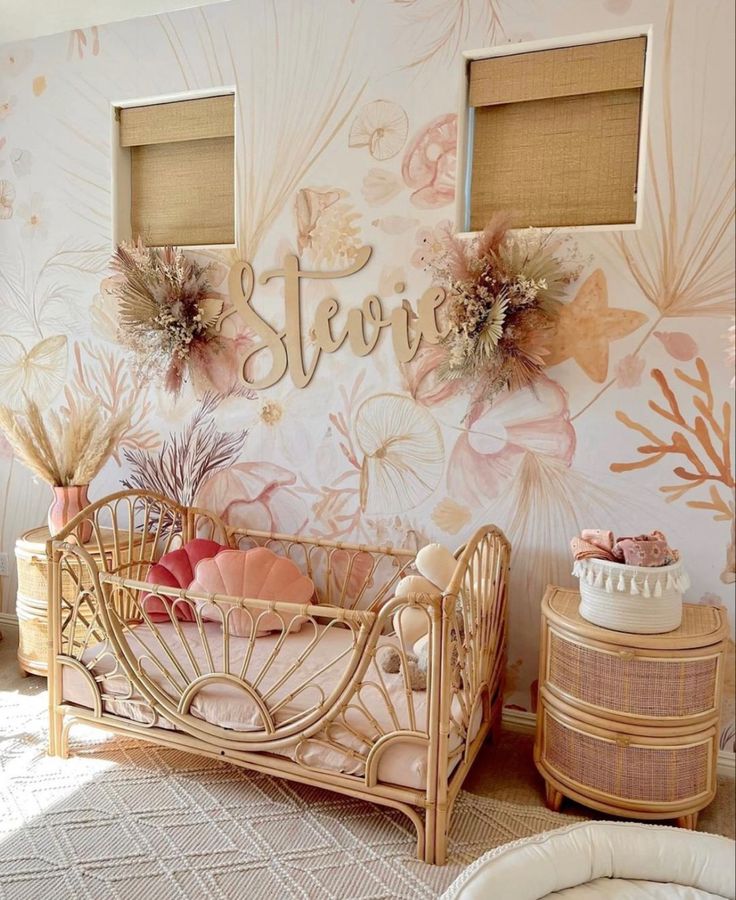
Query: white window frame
x,y
466,115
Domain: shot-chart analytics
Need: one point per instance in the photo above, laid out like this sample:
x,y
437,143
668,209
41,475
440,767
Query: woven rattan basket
x,y
636,599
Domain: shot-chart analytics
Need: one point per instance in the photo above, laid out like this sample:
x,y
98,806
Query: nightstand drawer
x,y
628,768
633,682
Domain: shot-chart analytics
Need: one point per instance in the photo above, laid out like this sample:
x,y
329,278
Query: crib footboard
x,y
204,666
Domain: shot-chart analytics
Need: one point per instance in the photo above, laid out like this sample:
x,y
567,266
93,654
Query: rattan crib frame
x,y
95,601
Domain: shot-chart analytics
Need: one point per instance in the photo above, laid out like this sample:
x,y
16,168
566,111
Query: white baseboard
x,y
519,721
526,723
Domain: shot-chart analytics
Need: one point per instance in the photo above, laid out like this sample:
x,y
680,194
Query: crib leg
x,y
58,744
427,853
56,724
440,847
438,837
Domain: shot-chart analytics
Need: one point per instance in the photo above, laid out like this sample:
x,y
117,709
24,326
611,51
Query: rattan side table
x,y
628,723
32,598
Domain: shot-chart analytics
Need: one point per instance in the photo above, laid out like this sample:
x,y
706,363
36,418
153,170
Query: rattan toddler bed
x,y
314,706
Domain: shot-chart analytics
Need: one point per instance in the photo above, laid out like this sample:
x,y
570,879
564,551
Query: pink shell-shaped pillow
x,y
176,569
257,574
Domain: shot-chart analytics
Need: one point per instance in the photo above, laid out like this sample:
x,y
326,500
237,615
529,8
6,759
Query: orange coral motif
x,y
702,441
587,325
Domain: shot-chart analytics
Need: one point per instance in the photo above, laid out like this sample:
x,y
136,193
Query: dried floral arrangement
x,y
168,314
504,288
66,449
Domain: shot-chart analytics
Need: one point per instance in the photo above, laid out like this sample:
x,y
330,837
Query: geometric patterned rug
x,y
128,820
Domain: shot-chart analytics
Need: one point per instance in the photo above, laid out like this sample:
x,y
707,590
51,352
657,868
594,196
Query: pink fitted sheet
x,y
287,693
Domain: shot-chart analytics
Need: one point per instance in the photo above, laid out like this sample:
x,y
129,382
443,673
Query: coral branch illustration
x,y
702,438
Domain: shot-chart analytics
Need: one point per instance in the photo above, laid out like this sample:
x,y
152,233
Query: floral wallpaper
x,y
347,127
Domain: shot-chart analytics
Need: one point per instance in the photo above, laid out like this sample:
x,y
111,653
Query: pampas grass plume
x,y
63,450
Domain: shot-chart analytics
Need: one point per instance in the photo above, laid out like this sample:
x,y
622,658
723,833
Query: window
x,y
554,135
181,161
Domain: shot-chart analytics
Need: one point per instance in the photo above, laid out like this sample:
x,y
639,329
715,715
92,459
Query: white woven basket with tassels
x,y
636,599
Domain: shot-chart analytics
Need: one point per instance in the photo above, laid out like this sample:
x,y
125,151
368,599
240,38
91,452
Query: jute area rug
x,y
125,819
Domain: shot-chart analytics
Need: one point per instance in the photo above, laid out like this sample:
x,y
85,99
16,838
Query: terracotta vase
x,y
68,501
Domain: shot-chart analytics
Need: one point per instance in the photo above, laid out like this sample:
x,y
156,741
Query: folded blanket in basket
x,y
646,550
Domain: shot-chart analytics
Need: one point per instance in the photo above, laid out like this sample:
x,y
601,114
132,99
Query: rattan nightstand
x,y
32,597
628,723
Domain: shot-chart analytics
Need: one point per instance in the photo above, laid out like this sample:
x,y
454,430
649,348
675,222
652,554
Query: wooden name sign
x,y
362,328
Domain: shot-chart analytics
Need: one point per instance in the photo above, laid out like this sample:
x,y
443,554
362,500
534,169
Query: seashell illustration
x,y
429,163
382,127
450,516
404,453
257,574
678,344
38,373
327,228
310,205
380,186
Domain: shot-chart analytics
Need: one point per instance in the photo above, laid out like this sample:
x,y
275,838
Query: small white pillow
x,y
436,564
415,584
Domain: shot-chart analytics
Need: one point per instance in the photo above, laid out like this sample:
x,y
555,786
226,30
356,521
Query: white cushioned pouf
x,y
604,860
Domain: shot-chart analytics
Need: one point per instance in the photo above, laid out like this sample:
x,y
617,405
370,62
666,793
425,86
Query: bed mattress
x,y
288,685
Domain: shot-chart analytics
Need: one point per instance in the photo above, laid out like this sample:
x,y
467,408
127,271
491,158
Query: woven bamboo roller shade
x,y
184,120
182,165
556,135
184,192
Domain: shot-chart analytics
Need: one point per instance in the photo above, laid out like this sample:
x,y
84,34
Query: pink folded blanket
x,y
646,550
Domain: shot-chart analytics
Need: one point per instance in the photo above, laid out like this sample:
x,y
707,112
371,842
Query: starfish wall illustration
x,y
587,325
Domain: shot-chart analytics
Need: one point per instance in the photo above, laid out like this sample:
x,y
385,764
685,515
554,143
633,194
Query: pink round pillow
x,y
176,570
257,574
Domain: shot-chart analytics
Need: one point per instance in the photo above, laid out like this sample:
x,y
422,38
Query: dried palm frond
x,y
683,262
179,467
67,449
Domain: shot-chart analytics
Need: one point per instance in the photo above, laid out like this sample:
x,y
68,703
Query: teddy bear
x,y
436,566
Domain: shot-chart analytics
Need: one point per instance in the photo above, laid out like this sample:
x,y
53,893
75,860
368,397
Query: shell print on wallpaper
x,y
403,453
305,73
257,495
329,233
429,163
382,127
37,373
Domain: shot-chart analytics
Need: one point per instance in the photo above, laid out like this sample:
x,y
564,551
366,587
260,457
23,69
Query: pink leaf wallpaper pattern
x,y
346,122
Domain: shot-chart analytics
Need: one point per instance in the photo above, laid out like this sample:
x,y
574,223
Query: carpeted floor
x,y
123,819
